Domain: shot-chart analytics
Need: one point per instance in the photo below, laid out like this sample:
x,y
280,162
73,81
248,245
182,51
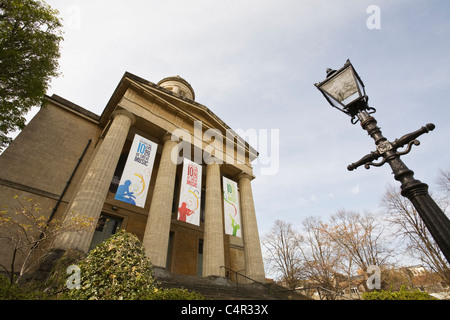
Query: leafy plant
x,y
173,294
25,227
12,291
403,294
117,269
30,34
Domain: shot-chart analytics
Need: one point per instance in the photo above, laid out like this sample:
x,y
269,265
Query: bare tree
x,y
443,181
283,254
321,258
25,229
443,184
411,228
360,237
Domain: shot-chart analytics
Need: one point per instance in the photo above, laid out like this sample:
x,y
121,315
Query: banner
x,y
190,193
231,208
136,175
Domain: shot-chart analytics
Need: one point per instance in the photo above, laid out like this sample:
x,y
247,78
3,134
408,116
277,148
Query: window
x,y
202,203
118,172
170,250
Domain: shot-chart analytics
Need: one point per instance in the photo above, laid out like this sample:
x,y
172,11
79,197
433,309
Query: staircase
x,y
218,288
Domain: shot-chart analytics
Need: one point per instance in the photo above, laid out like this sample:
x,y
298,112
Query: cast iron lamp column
x,y
344,90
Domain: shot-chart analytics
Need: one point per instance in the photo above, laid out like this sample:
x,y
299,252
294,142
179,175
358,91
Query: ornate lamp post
x,y
345,91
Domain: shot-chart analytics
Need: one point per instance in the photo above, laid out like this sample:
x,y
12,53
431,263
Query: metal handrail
x,y
242,275
265,285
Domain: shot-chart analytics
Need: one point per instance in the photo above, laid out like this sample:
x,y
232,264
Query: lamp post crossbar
x,y
416,191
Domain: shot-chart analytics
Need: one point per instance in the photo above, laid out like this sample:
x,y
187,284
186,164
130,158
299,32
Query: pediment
x,y
192,108
170,101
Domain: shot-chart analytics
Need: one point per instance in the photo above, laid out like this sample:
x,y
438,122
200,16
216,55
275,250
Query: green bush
x,y
173,294
14,291
403,294
117,269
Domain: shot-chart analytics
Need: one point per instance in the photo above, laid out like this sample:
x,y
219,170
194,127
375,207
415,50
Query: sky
x,y
254,64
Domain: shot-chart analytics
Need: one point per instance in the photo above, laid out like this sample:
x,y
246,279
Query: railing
x,y
237,274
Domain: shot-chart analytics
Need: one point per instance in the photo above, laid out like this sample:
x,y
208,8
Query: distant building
x,y
194,217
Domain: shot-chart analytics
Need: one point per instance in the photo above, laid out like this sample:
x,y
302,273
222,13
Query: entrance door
x,y
106,227
200,258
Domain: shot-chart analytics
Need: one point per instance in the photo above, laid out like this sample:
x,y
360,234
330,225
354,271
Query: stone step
x,y
218,288
221,292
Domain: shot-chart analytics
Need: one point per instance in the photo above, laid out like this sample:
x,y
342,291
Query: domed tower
x,y
178,86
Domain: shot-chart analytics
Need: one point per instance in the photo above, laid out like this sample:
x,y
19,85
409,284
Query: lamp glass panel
x,y
343,87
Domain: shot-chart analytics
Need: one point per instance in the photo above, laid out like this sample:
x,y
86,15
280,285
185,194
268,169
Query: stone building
x,y
67,143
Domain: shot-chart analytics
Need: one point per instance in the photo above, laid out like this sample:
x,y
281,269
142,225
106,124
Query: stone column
x,y
254,266
93,189
157,229
213,245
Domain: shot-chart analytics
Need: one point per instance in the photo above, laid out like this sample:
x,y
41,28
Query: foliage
x,y
26,227
117,269
403,294
29,37
172,294
11,291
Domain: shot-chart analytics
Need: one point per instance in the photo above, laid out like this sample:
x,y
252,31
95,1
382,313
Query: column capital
x,y
244,175
166,137
124,113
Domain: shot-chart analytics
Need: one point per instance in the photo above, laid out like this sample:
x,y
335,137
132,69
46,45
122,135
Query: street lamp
x,y
345,91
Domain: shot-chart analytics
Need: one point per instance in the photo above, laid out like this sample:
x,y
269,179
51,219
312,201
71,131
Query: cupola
x,y
179,86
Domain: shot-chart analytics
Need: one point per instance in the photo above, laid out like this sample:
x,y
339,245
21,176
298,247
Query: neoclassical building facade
x,y
192,165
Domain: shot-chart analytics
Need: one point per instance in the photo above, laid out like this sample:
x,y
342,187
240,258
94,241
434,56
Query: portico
x,y
166,115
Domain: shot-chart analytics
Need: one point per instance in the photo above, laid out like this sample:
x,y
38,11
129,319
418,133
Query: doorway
x,y
106,227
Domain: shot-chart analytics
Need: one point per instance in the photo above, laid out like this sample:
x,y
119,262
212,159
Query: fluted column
x,y
157,229
93,189
213,245
254,266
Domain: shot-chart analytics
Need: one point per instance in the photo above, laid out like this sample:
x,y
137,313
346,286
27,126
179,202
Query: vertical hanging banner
x,y
232,213
136,175
190,193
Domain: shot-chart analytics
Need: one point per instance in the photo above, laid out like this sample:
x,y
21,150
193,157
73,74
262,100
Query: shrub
x,y
12,291
403,294
173,294
114,270
117,269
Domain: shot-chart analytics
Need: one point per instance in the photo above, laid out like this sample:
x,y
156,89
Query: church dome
x,y
178,86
